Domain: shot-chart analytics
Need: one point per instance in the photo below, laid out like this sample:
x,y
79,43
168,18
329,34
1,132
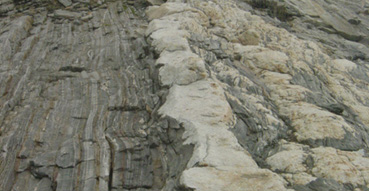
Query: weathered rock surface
x,y
171,95
341,26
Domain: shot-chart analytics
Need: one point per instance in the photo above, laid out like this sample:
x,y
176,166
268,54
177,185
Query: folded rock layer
x,y
220,95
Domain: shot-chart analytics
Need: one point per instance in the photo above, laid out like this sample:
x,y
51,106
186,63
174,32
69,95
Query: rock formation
x,y
220,95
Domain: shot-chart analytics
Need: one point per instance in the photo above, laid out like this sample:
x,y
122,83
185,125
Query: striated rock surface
x,y
220,95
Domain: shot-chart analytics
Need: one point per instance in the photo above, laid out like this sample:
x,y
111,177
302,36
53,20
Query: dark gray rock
x,y
321,184
87,99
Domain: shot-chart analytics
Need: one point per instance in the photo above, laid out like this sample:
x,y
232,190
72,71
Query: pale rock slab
x,y
165,38
288,93
171,43
301,178
206,116
249,37
191,21
276,78
343,65
165,24
156,12
180,67
188,103
67,14
169,33
288,161
362,111
271,60
291,161
208,178
342,166
311,122
351,91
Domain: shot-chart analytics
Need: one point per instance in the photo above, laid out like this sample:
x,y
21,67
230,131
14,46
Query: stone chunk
x,y
157,12
311,122
341,166
180,67
171,43
272,61
68,154
66,14
288,161
343,65
249,37
200,102
87,17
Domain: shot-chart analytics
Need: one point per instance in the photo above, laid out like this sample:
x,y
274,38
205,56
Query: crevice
x,y
274,9
125,108
111,170
79,118
71,69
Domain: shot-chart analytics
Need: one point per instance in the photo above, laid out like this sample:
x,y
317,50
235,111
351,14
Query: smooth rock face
x,y
220,95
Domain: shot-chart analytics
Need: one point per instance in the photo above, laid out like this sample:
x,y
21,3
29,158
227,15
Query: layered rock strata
x,y
194,95
76,102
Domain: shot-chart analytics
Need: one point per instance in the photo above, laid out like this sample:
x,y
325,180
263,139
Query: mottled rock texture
x,y
221,95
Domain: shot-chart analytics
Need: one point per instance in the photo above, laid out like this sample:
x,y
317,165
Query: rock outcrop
x,y
220,95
